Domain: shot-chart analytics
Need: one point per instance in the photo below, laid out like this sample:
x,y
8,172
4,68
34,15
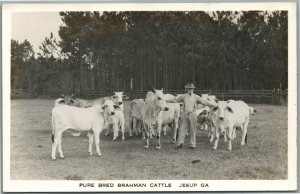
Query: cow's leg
x,y
91,141
234,133
147,134
144,132
61,155
134,127
225,136
97,141
139,125
56,139
229,133
164,129
212,132
158,135
244,132
115,126
205,126
152,133
107,130
175,129
122,128
217,133
130,126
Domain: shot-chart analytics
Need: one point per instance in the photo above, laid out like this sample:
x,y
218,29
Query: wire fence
x,y
278,97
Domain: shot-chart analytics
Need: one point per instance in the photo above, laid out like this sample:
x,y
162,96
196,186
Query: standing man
x,y
188,118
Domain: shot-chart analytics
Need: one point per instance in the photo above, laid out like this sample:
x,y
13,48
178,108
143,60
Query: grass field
x,y
264,157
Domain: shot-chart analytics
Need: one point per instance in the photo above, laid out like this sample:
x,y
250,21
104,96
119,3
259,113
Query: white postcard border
x,y
214,185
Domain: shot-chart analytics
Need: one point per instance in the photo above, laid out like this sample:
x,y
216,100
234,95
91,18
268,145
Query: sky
x,y
35,26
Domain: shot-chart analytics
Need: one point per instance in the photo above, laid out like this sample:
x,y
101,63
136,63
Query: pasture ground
x,y
264,157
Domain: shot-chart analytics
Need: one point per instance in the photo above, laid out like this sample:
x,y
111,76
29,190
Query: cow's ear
x,y
104,106
204,112
62,101
229,109
214,109
126,97
117,107
162,89
153,90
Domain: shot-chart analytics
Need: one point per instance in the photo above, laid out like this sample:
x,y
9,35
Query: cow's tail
x,y
53,128
246,138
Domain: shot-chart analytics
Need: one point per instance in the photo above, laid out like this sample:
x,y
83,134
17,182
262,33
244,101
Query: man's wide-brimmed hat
x,y
190,85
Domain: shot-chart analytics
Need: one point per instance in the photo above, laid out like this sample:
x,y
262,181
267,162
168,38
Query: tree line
x,y
220,50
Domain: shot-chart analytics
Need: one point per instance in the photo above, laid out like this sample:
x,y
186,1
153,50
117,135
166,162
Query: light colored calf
x,y
135,116
117,122
91,119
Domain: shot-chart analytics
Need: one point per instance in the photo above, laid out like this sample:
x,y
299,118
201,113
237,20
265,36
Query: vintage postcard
x,y
139,97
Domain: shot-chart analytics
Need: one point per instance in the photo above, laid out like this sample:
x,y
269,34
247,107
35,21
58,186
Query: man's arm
x,y
176,99
205,101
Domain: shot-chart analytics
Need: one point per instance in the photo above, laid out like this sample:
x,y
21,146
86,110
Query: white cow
x,y
117,98
171,117
117,122
135,116
227,116
83,119
152,114
252,111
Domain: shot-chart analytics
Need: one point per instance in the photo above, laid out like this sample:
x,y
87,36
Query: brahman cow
x,y
226,116
152,114
91,119
117,98
116,122
135,116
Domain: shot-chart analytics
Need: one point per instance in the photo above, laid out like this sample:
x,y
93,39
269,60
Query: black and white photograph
x,y
149,97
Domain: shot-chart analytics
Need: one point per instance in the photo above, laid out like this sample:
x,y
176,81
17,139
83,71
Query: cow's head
x,y
209,100
221,110
118,98
160,99
109,107
68,99
252,110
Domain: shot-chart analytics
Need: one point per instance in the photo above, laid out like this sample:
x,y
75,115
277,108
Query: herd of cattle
x,y
148,117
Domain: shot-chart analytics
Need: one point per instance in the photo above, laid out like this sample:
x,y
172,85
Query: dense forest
x,y
136,50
